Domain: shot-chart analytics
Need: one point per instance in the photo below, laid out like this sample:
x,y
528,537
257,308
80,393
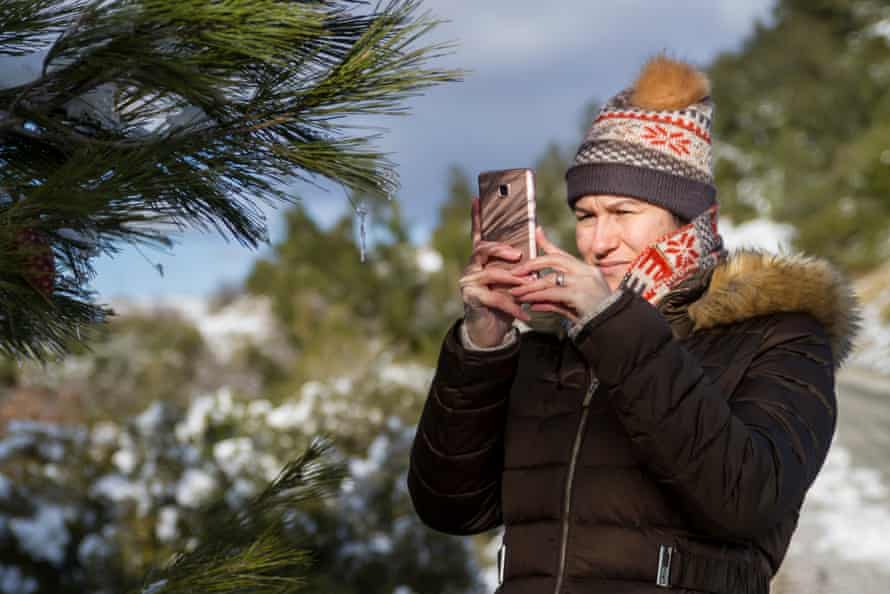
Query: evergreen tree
x,y
150,117
803,114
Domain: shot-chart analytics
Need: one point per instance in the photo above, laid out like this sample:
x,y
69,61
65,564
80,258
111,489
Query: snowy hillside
x,y
246,318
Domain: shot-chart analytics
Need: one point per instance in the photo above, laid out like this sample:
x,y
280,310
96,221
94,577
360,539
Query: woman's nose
x,y
607,237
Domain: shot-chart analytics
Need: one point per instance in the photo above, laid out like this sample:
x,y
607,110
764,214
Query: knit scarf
x,y
674,257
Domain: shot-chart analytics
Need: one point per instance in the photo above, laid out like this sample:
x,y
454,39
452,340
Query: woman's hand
x,y
583,285
489,313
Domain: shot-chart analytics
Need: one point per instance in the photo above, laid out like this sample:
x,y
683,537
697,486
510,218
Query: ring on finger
x,y
560,279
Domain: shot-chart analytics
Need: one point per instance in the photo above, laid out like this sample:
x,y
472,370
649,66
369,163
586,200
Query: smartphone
x,y
507,211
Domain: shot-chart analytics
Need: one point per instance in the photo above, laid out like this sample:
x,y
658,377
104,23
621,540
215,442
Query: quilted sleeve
x,y
738,463
454,476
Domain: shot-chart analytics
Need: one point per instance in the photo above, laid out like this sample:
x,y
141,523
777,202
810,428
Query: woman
x,y
669,436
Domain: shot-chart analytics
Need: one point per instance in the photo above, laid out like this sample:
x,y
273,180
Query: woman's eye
x,y
582,217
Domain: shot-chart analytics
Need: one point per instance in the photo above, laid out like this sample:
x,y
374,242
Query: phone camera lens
x,y
503,190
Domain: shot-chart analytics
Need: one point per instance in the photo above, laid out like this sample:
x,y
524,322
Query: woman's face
x,y
611,231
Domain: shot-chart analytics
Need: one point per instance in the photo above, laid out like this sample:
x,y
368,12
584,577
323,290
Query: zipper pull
x,y
591,388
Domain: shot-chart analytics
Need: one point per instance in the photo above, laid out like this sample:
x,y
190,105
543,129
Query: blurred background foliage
x,y
130,447
803,116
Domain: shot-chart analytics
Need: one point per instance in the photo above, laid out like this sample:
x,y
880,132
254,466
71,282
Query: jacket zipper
x,y
592,385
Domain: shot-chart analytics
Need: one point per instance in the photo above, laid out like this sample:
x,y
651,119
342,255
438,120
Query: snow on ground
x,y
757,233
292,415
196,486
167,527
881,29
44,535
377,455
203,409
246,317
13,444
12,581
850,503
234,456
873,342
490,575
410,376
94,546
119,489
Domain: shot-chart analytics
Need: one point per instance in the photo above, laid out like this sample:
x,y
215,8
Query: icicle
x,y
155,587
362,212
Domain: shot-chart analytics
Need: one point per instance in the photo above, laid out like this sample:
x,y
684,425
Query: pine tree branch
x,y
249,548
158,115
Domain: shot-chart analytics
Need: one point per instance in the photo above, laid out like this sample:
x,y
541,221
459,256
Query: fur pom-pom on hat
x,y
667,84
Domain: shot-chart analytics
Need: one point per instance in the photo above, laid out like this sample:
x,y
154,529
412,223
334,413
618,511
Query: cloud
x,y
513,35
505,33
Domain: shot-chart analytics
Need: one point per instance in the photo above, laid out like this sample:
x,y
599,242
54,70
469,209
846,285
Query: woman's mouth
x,y
610,266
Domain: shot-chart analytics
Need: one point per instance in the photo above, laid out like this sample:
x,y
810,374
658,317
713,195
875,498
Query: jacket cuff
x,y
602,305
623,336
469,378
468,343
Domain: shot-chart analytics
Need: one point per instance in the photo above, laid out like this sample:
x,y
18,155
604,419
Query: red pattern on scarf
x,y
674,257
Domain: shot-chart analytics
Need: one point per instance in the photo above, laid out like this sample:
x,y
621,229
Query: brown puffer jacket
x,y
667,446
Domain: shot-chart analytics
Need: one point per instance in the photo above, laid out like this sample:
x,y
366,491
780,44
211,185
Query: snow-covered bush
x,y
91,508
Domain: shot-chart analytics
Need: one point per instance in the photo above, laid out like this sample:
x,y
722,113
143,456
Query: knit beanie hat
x,y
652,141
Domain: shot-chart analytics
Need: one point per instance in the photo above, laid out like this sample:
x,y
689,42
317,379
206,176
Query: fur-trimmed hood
x,y
751,283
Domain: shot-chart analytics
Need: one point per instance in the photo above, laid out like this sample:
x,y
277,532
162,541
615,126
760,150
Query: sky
x,y
533,69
